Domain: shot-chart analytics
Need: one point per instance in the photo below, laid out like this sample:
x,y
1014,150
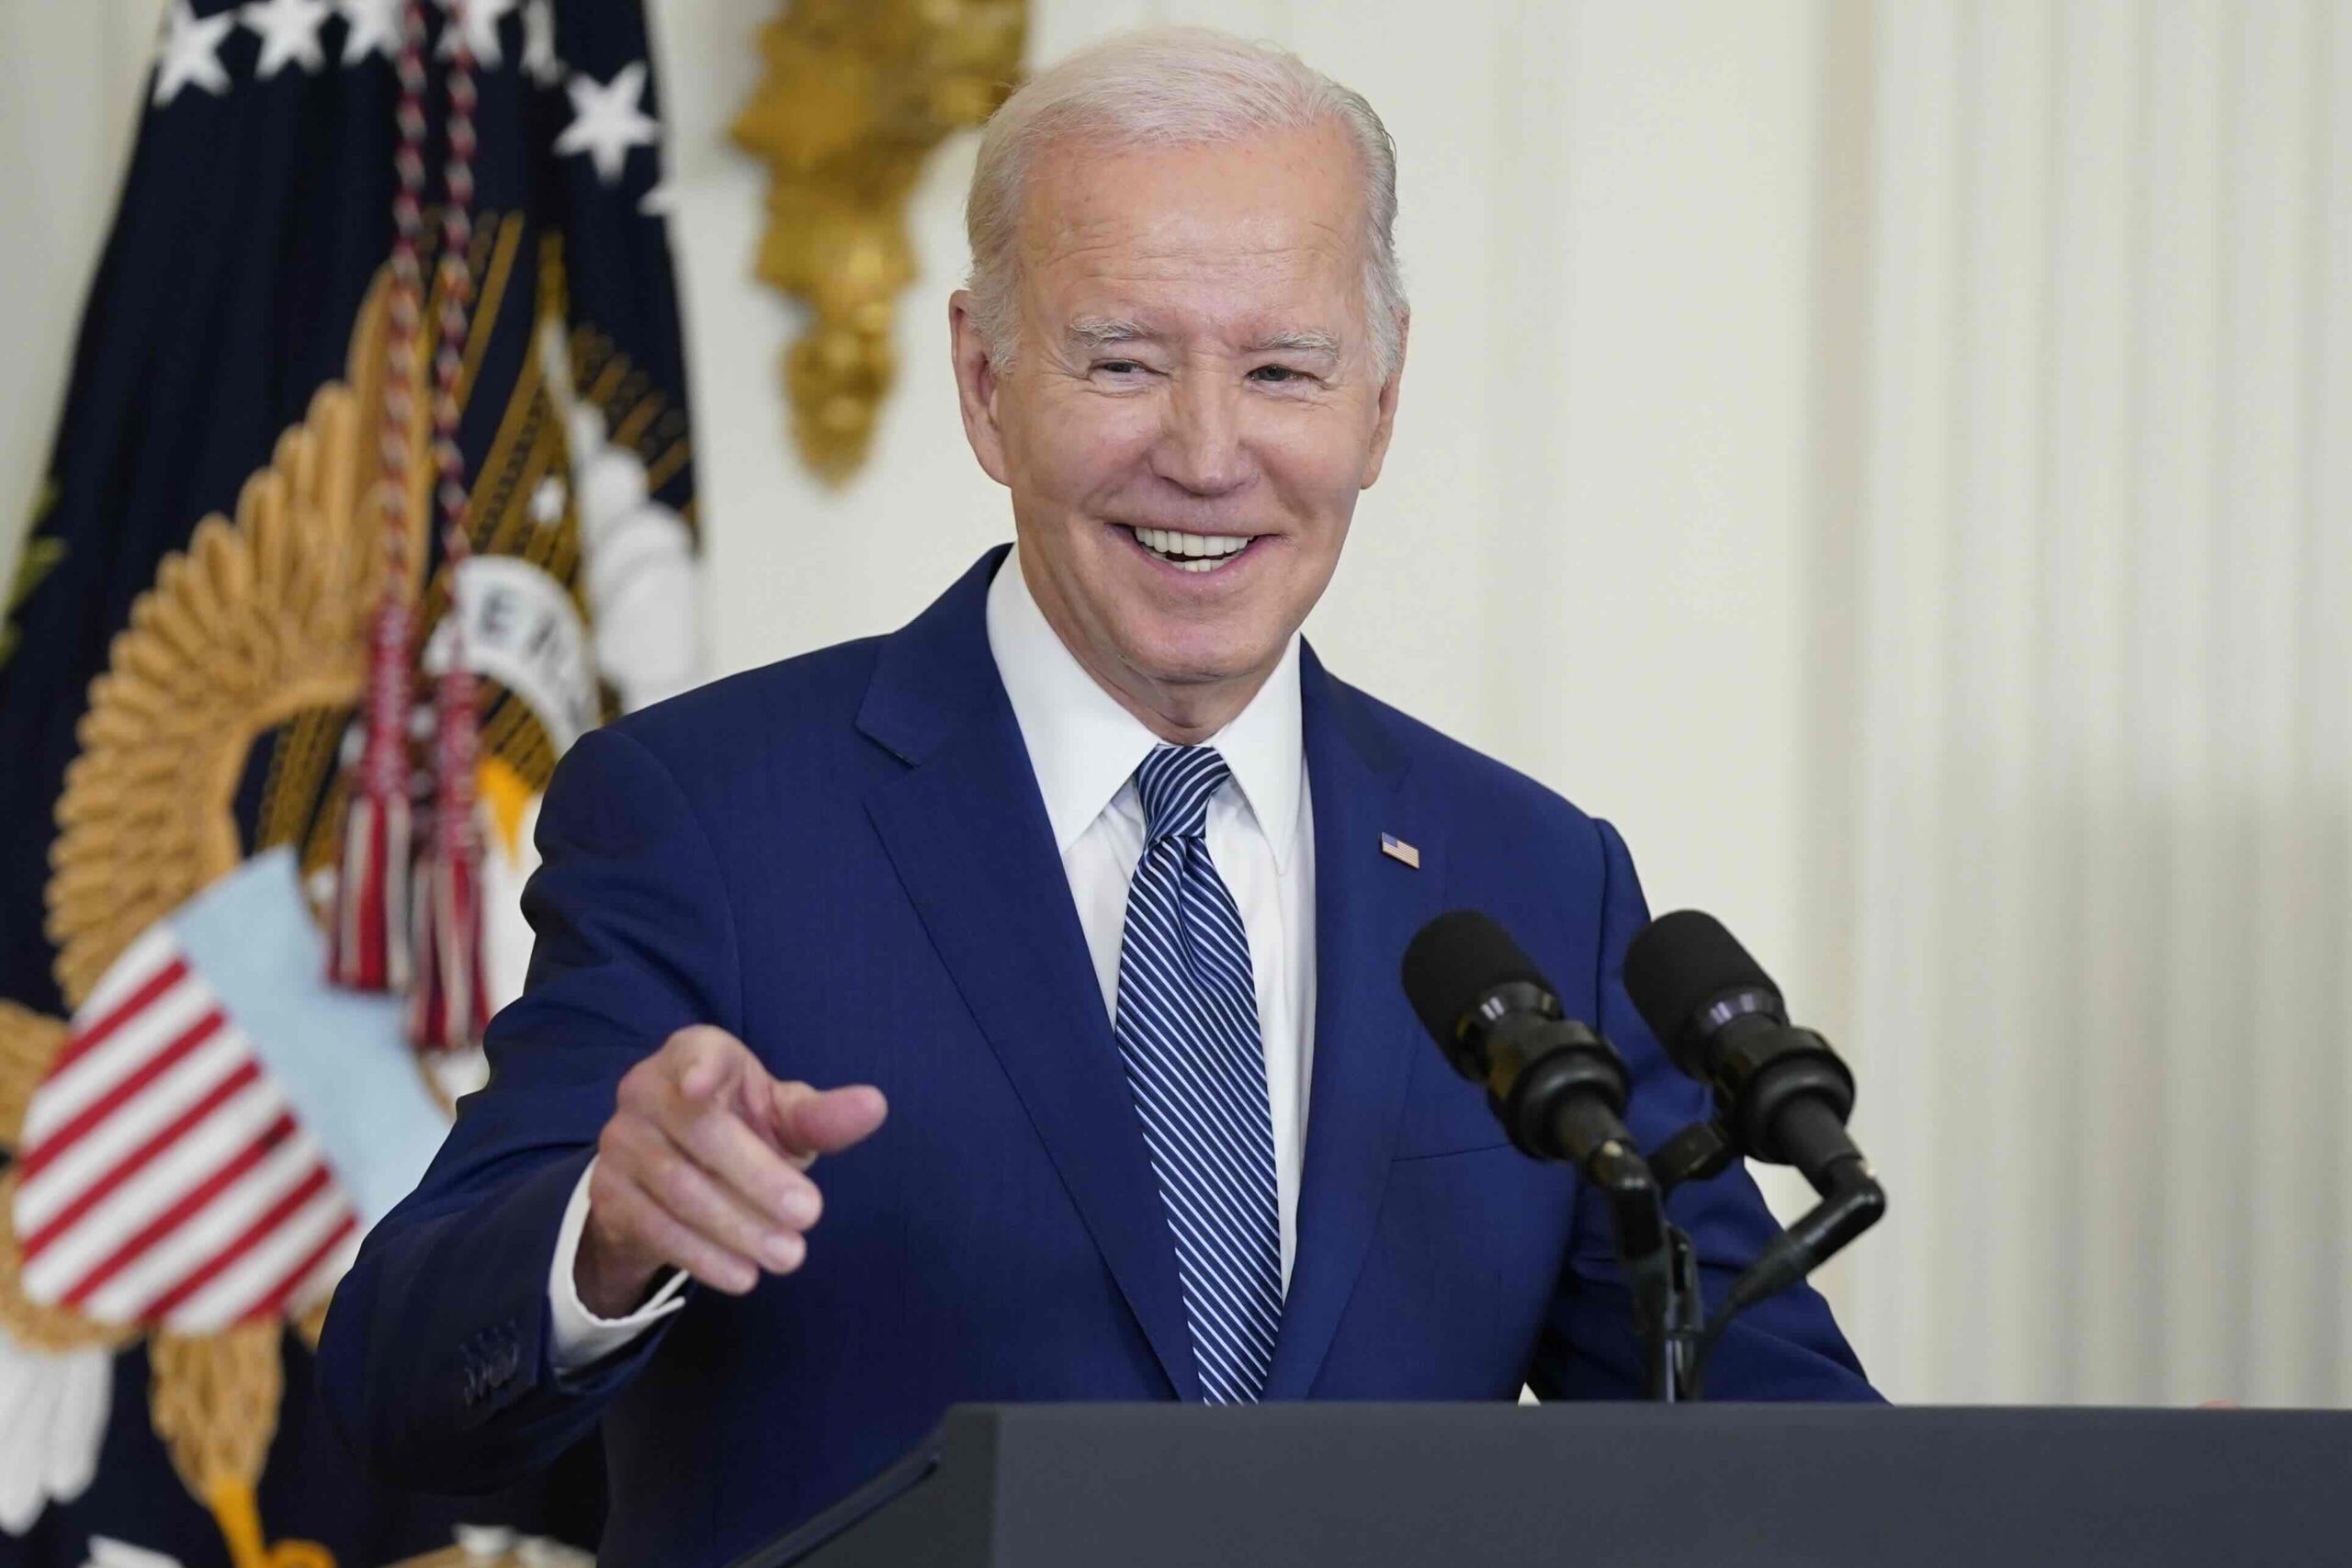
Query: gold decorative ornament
x,y
856,94
29,1042
214,1403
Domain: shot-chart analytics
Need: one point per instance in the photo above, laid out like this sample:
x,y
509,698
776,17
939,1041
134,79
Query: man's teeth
x,y
1191,552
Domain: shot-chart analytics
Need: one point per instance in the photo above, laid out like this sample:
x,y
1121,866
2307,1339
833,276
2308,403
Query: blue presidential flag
x,y
195,1126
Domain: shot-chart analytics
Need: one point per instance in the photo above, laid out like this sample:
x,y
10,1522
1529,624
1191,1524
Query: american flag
x,y
165,1180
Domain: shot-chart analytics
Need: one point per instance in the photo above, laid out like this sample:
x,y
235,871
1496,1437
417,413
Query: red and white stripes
x,y
163,1179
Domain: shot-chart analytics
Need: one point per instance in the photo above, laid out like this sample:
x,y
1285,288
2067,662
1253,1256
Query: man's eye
x,y
1277,375
1118,367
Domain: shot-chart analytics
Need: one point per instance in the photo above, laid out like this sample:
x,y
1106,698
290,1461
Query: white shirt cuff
x,y
581,1336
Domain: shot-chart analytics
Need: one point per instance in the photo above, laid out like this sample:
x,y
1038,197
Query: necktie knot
x,y
1176,783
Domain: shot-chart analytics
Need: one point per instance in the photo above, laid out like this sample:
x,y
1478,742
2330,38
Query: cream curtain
x,y
69,76
2099,942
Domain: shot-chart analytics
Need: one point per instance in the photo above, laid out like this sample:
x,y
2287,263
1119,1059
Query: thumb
x,y
809,1122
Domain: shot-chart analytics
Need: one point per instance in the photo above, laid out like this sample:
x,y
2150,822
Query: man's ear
x,y
1384,421
975,385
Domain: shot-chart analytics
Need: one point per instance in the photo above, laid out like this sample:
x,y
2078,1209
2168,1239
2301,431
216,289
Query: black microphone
x,y
1781,1094
1558,1088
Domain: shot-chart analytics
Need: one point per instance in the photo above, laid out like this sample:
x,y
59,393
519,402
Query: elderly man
x,y
1085,891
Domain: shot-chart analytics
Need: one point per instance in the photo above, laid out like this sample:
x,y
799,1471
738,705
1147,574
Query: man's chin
x,y
1187,663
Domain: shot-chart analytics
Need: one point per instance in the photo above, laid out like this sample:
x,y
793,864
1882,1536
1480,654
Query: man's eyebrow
x,y
1099,332
1104,332
1295,342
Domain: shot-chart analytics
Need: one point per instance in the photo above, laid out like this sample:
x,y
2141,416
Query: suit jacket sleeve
x,y
436,1357
1785,1347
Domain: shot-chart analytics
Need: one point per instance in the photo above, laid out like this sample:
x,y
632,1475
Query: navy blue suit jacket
x,y
844,860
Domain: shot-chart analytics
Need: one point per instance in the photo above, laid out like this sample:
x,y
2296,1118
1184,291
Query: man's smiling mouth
x,y
1191,552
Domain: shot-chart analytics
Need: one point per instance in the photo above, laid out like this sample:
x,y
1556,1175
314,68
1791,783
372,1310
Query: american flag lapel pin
x,y
1395,848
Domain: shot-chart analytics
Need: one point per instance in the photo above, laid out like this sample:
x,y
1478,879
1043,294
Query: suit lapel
x,y
966,831
1367,905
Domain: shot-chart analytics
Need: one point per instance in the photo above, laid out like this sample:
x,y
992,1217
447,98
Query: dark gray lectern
x,y
1598,1486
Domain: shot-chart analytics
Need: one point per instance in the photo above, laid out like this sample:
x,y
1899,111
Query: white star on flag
x,y
539,63
479,19
289,31
375,28
606,120
191,54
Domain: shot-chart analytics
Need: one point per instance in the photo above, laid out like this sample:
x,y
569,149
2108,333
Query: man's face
x,y
1194,383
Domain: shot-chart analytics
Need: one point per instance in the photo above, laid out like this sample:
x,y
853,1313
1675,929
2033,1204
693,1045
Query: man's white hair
x,y
1171,87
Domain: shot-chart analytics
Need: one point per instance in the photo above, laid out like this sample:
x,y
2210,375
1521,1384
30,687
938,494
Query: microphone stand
x,y
1851,1201
1653,1253
1660,1266
1659,1270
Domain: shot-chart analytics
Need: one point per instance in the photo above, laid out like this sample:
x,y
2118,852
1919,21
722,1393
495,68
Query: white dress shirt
x,y
1084,748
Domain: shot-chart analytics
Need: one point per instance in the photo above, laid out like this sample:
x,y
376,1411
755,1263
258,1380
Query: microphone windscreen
x,y
1454,960
1678,963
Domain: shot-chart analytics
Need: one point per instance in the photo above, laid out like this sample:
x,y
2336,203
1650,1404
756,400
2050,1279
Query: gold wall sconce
x,y
855,95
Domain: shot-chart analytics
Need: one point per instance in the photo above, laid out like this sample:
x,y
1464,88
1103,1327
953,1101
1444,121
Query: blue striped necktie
x,y
1187,1028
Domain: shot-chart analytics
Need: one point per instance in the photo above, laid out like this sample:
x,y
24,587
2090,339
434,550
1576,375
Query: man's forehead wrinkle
x,y
1179,254
1109,256
1061,222
1249,309
1277,290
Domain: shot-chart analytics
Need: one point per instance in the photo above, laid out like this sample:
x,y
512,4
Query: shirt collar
x,y
1084,747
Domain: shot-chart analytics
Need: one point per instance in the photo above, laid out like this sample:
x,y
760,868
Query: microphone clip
x,y
1696,1152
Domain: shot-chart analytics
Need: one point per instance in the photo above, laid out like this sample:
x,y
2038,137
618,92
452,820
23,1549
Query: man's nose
x,y
1201,445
